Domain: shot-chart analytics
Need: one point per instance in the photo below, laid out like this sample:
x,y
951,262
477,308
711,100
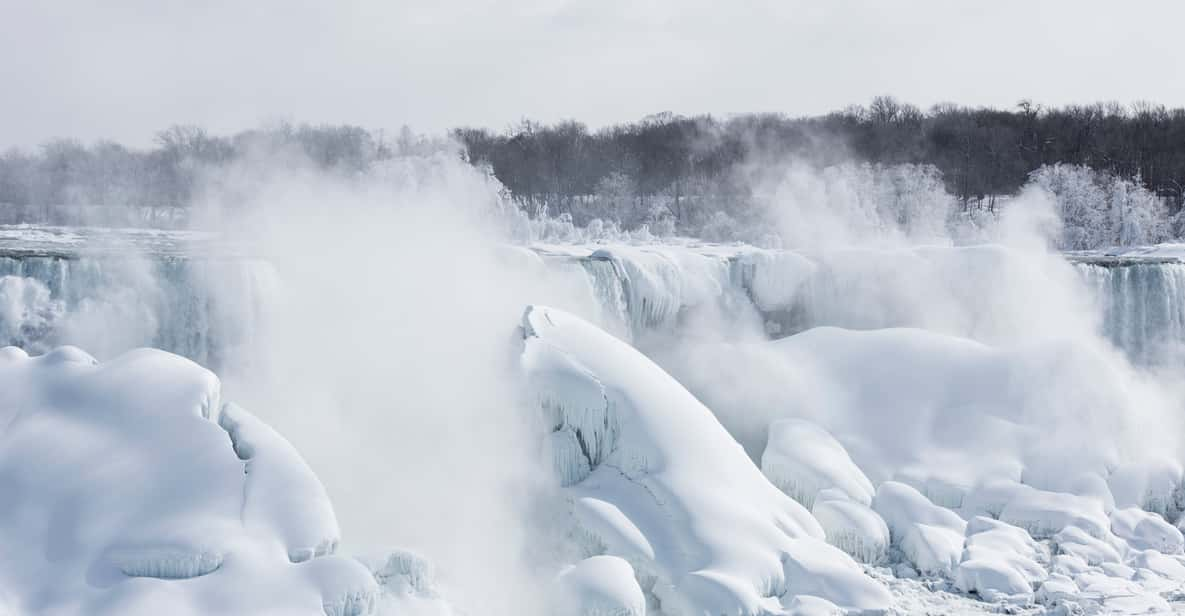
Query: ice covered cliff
x,y
653,478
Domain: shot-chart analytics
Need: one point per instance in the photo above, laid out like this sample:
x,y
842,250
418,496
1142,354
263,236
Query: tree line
x,y
65,181
675,173
683,163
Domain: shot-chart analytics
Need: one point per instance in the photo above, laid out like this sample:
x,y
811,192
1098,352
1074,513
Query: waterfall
x,y
215,310
210,310
1142,305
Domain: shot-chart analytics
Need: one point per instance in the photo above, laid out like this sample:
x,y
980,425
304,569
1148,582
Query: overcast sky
x,y
124,69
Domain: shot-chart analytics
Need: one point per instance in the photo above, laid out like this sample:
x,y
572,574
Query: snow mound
x,y
930,537
1043,513
1000,560
801,458
852,527
600,586
1080,545
671,492
125,495
1143,530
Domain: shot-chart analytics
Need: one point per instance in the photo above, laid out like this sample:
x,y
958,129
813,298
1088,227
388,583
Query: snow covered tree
x,y
1100,209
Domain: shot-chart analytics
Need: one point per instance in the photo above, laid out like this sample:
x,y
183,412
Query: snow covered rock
x,y
1088,549
930,537
670,491
1043,513
1170,567
853,527
1057,589
131,489
801,458
1000,560
1143,530
600,586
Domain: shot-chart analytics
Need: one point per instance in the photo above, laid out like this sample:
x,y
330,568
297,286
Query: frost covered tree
x,y
1101,209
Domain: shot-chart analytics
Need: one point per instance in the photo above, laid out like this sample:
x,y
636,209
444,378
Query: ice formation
x,y
668,490
132,489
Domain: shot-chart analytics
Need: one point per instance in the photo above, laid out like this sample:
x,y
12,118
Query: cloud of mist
x,y
389,362
890,248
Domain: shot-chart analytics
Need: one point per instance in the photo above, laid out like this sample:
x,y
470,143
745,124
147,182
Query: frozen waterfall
x,y
214,309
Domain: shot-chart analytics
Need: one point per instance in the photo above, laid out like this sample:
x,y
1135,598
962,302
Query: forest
x,y
671,173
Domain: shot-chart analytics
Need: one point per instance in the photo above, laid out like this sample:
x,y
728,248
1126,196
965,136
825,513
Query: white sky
x,y
124,69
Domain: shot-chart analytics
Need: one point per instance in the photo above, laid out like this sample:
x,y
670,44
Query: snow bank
x,y
671,492
131,489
